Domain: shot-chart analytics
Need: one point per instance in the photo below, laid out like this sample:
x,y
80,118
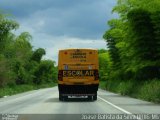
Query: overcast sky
x,y
60,24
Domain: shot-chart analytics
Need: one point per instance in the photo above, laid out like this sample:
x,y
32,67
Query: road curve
x,y
44,103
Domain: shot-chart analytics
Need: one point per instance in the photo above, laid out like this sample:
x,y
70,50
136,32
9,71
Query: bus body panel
x,y
78,73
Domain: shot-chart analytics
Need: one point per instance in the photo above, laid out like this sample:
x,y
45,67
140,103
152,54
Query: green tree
x,y
19,64
45,72
37,54
133,39
104,64
144,44
6,25
6,44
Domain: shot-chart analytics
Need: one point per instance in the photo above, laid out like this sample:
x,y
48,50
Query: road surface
x,y
44,104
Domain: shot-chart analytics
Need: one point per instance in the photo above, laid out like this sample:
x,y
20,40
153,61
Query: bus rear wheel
x,y
60,97
95,96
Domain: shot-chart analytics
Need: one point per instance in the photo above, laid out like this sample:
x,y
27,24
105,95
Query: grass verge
x,y
11,90
145,90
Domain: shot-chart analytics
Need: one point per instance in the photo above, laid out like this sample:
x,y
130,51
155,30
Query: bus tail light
x,y
60,75
96,75
65,53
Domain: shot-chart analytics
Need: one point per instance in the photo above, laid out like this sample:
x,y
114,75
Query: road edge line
x,y
121,109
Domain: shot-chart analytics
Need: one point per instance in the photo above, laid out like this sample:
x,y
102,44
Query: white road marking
x,y
121,109
115,106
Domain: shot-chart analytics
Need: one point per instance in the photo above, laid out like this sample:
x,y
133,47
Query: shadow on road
x,y
77,100
109,95
50,100
138,104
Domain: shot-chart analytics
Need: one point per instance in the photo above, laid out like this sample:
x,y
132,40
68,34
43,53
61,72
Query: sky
x,y
61,24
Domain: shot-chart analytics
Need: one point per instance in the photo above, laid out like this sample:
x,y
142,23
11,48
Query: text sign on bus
x,y
73,73
78,55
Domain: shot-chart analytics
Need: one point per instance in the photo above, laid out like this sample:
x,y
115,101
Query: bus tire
x,y
95,97
65,98
60,97
89,98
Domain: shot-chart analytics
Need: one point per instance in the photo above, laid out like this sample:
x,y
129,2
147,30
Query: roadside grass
x,y
150,91
145,90
11,90
102,85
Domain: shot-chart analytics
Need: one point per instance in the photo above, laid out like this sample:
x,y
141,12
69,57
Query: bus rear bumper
x,y
78,89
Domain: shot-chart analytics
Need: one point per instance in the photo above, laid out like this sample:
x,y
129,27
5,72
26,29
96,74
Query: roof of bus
x,y
78,49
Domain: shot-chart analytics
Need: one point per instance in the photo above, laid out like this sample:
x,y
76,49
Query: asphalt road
x,y
44,104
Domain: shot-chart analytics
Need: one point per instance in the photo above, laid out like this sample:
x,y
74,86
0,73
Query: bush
x,y
112,85
150,91
102,85
146,90
125,87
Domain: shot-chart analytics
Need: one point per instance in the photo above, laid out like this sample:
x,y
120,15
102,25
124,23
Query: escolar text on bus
x,y
71,73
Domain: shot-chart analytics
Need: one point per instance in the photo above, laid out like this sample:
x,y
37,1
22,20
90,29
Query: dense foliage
x,y
104,64
19,63
133,42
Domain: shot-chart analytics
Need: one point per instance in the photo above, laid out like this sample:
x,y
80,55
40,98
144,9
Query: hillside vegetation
x,y
22,67
132,59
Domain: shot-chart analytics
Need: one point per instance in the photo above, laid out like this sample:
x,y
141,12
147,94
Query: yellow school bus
x,y
78,73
